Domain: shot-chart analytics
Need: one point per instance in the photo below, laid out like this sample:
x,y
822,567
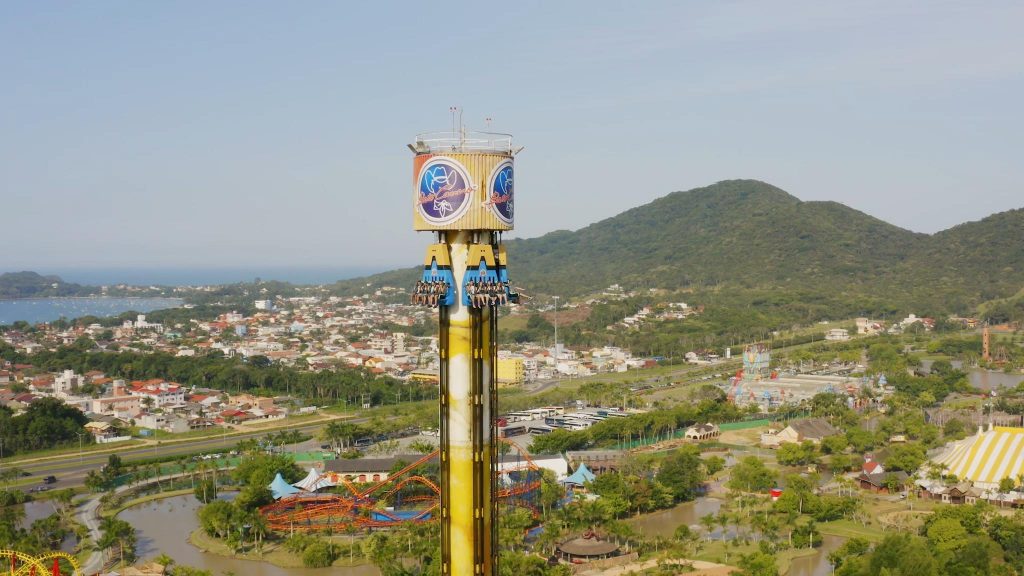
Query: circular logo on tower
x,y
444,191
502,188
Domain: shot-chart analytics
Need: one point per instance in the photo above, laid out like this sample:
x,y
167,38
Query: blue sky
x,y
205,134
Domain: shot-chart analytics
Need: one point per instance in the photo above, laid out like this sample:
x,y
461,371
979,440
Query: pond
x,y
818,564
163,526
664,522
39,509
984,379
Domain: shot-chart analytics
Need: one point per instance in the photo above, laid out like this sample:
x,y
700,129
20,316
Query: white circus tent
x,y
987,457
314,481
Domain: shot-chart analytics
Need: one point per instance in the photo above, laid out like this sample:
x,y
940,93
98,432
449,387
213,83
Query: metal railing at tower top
x,y
463,141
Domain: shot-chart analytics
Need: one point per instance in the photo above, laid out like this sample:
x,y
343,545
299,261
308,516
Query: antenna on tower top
x,y
453,110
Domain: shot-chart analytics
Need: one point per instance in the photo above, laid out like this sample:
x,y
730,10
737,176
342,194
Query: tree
x,y
120,534
947,535
205,490
751,475
840,463
796,454
834,444
713,465
1007,485
757,564
860,439
907,457
217,518
708,522
319,554
953,428
902,554
681,472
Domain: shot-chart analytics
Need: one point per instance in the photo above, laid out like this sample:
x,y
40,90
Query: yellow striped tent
x,y
987,457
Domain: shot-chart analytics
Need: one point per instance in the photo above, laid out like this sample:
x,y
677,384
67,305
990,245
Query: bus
x,y
555,421
510,431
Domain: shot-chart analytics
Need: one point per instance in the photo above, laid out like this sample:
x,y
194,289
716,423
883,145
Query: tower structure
x,y
463,193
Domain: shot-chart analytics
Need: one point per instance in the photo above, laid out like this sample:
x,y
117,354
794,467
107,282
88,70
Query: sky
x,y
273,134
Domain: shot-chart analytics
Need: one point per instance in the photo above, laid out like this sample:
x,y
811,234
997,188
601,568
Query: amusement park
x,y
333,502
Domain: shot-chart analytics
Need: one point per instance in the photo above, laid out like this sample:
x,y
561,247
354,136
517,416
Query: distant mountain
x,y
749,234
33,285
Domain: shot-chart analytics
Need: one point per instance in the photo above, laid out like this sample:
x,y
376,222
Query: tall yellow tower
x,y
463,192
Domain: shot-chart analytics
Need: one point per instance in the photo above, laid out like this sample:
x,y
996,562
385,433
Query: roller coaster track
x,y
21,564
362,507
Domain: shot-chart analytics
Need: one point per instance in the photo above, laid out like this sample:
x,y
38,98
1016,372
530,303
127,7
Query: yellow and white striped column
x,y
467,349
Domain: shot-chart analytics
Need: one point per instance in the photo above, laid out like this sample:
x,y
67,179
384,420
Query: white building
x,y
837,335
67,383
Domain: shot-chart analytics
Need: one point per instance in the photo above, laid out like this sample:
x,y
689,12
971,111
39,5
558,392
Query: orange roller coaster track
x,y
364,507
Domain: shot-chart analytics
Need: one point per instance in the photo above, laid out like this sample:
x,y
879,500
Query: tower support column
x,y
467,393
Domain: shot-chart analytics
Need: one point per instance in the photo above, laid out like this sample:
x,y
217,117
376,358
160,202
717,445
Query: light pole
x,y
79,447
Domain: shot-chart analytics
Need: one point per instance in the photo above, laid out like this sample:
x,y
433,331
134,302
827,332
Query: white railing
x,y
463,142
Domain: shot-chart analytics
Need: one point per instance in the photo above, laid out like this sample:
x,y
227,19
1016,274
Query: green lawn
x,y
851,529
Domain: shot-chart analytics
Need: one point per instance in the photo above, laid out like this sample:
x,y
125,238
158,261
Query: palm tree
x,y
708,522
164,560
258,528
722,520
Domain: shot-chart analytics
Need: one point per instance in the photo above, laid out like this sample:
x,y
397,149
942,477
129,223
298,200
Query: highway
x,y
70,469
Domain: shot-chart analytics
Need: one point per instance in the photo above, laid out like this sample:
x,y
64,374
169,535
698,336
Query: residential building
x,y
813,430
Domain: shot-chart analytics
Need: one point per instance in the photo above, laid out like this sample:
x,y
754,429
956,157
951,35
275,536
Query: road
x,y
71,469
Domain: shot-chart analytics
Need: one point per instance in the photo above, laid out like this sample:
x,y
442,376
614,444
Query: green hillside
x,y
33,285
749,235
739,232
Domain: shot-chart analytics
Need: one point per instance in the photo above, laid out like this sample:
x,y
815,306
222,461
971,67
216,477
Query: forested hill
x,y
33,285
739,232
749,234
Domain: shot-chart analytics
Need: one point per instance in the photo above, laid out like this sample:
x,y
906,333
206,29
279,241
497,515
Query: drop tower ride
x,y
463,192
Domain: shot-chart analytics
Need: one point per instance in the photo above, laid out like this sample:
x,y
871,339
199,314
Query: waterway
x,y
39,509
163,526
34,310
664,523
982,379
816,564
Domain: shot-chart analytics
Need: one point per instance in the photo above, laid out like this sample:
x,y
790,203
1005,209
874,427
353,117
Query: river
x,y
34,310
163,526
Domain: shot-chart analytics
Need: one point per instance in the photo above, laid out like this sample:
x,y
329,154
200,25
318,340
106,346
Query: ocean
x,y
34,310
206,276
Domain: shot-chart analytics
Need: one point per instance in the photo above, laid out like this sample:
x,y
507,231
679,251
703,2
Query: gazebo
x,y
587,548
